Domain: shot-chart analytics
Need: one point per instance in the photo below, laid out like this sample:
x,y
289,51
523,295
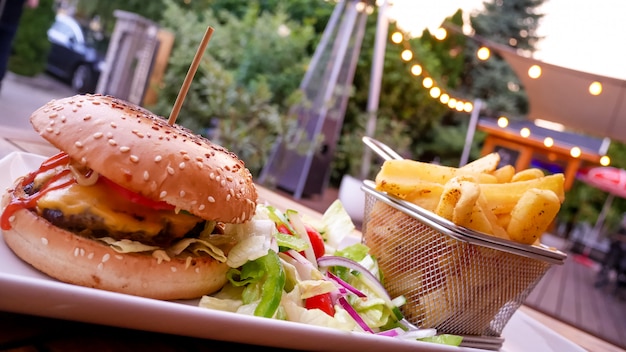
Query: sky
x,y
584,35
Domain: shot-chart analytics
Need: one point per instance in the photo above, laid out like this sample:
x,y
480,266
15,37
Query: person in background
x,y
10,14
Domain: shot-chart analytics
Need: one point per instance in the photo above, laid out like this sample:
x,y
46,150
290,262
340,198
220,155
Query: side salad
x,y
291,268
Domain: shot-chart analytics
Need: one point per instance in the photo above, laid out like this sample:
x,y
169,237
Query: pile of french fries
x,y
499,201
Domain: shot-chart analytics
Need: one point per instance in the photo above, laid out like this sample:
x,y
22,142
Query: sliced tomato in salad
x,y
323,302
135,197
317,242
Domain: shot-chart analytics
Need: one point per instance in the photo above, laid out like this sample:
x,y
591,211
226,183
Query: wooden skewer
x,y
192,71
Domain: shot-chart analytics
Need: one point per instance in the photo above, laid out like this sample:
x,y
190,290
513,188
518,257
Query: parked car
x,y
76,53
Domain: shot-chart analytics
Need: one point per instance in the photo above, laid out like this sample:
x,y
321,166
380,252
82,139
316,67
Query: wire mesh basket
x,y
454,279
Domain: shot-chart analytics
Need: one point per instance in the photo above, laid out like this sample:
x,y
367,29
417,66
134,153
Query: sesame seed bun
x,y
81,261
143,153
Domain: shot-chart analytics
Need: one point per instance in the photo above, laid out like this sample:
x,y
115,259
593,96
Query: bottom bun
x,y
85,262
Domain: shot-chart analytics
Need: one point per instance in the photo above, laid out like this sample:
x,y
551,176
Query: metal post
x,y
471,129
378,60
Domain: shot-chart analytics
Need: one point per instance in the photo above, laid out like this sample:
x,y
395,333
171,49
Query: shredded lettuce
x,y
337,225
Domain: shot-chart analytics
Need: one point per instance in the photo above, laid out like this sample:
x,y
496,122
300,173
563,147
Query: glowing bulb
x,y
452,103
459,106
407,55
468,107
524,132
441,33
444,98
397,37
416,70
483,53
428,82
548,142
503,121
595,88
534,71
575,152
435,92
605,160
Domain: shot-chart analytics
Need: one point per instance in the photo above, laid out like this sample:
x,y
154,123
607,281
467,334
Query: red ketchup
x,y
30,201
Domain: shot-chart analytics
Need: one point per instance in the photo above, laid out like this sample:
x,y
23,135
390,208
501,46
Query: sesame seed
x,y
106,257
197,270
98,135
95,102
186,157
227,197
218,178
162,194
74,109
201,207
100,266
181,165
200,165
90,255
134,158
76,251
44,241
157,158
229,178
83,160
173,268
212,176
124,149
112,142
113,125
49,129
223,183
87,117
146,175
78,144
109,135
63,118
53,115
182,193
211,199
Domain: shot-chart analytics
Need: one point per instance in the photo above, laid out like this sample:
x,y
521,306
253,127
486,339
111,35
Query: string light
x,y
483,53
435,91
534,71
595,88
416,70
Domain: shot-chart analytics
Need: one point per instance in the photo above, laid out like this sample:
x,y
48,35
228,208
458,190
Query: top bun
x,y
143,153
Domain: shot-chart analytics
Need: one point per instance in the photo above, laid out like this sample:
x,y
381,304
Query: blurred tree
x,y
513,23
31,45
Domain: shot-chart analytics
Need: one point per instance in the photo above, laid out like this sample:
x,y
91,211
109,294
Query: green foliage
x,y
246,80
31,45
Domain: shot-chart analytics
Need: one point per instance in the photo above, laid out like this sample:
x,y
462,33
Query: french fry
x,y
502,197
504,174
486,164
425,195
400,175
528,174
532,215
457,199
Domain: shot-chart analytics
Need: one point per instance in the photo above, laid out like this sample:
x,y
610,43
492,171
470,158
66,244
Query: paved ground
x,y
20,96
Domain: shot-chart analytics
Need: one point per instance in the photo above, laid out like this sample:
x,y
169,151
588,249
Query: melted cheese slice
x,y
116,212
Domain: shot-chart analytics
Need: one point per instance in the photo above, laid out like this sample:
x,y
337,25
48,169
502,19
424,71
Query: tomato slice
x,y
135,197
317,242
323,302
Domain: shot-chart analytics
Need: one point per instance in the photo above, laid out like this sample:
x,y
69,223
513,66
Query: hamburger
x,y
131,203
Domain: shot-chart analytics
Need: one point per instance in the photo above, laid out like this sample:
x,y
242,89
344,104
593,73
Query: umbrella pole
x,y
597,228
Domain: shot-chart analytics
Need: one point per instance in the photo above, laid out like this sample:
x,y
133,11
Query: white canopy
x,y
562,95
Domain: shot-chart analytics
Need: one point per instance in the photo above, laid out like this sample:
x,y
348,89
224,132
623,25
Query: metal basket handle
x,y
380,148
